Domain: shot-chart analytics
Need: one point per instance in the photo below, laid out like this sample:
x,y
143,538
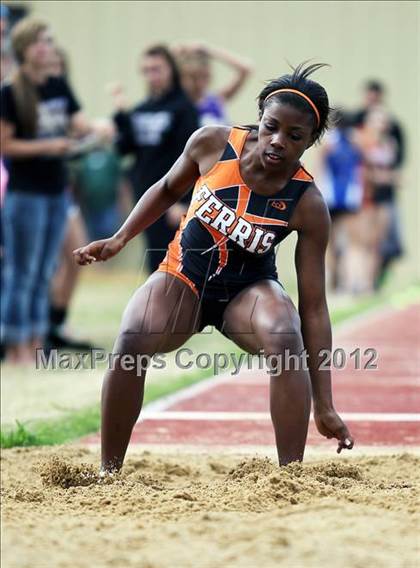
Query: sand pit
x,y
208,510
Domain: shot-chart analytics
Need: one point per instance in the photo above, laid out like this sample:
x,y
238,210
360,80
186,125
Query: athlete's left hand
x,y
330,425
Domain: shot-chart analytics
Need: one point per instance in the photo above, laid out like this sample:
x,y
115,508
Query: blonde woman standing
x,y
196,66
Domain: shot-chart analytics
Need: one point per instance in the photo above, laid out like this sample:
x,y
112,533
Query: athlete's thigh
x,y
163,313
257,313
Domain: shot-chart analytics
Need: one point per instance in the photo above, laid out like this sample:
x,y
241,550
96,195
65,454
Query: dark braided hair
x,y
299,81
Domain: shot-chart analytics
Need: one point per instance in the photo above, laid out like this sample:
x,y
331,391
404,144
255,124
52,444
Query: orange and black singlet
x,y
226,240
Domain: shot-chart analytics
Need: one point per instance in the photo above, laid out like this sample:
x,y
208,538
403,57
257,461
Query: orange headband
x,y
307,99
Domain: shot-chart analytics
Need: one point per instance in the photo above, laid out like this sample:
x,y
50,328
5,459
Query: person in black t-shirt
x,y
155,131
38,112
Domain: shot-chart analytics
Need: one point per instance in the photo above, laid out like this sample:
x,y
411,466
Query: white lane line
x,y
212,416
341,377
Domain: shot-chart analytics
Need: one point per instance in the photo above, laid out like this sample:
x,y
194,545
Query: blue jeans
x,y
33,230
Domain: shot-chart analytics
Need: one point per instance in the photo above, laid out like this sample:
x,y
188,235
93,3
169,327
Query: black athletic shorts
x,y
212,310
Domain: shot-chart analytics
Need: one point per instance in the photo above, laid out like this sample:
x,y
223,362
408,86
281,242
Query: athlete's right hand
x,y
98,251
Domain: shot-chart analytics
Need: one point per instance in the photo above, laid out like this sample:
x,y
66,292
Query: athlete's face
x,y
284,134
157,73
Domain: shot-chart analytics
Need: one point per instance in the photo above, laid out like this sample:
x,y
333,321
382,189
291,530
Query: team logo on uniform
x,y
280,205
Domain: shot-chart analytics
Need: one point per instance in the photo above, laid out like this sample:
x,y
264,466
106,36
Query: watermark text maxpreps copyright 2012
x,y
185,358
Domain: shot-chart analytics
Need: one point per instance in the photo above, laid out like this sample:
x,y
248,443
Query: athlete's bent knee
x,y
135,343
283,337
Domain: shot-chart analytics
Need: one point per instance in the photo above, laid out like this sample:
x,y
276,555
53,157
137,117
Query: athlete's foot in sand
x,y
107,475
109,469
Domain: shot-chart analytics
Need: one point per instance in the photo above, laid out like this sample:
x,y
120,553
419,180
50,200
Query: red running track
x,y
380,406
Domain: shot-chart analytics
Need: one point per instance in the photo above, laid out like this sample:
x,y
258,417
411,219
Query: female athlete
x,y
250,193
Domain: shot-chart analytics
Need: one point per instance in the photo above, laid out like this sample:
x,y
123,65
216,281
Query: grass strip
x,y
77,423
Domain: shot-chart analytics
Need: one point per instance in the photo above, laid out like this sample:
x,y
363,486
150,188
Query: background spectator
x,y
379,151
66,276
98,179
6,55
155,132
391,247
374,96
195,61
4,177
38,112
340,180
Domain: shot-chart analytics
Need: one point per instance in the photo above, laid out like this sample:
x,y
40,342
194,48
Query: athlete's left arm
x,y
313,225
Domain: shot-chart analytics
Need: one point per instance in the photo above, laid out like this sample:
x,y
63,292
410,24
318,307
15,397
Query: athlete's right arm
x,y
159,197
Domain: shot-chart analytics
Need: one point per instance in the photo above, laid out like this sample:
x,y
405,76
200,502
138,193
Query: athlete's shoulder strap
x,y
236,140
303,175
